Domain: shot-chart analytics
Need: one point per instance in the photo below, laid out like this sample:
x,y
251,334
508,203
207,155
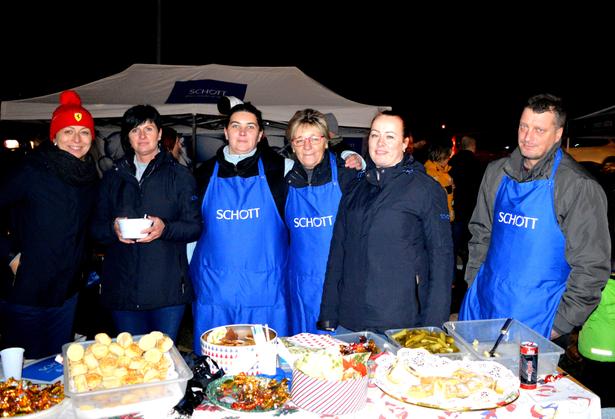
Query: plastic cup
x,y
12,362
267,358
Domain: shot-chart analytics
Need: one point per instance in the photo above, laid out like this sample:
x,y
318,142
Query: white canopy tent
x,y
277,91
188,97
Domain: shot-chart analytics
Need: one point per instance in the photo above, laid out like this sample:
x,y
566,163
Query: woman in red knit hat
x,y
52,196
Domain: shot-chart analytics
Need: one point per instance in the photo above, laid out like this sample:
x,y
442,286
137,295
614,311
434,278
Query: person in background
x,y
540,249
466,171
239,264
172,142
316,182
145,282
391,258
437,167
52,195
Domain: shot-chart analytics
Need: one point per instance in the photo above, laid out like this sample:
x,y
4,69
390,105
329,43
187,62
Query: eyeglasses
x,y
314,140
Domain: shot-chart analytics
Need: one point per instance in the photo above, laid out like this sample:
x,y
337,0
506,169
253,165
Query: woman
x,y
315,182
391,259
145,282
52,196
437,167
239,264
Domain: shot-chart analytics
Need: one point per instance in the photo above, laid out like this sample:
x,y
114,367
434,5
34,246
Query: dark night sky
x,y
472,73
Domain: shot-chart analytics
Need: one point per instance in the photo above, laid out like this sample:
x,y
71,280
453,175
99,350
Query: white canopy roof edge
x,y
277,91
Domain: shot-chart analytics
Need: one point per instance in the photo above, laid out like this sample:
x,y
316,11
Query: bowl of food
x,y
235,350
131,228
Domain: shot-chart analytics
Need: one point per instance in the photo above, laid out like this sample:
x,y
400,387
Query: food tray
x,y
158,396
485,332
462,354
380,342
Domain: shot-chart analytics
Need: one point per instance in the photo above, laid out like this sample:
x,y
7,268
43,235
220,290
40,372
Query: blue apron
x,y
525,272
310,215
238,266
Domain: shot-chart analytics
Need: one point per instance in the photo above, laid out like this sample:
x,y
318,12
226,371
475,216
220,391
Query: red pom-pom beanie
x,y
70,112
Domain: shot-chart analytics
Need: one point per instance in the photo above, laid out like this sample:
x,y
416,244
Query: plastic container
x,y
485,332
381,343
462,354
158,396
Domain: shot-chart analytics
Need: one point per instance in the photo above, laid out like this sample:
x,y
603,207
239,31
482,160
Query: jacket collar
x,y
542,170
320,173
380,176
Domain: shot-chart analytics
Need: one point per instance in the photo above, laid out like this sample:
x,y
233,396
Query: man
x,y
466,172
540,250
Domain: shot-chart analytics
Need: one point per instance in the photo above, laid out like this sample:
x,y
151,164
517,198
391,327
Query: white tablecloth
x,y
561,399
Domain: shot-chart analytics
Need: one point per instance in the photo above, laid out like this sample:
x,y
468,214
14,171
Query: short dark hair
x,y
136,116
246,107
548,103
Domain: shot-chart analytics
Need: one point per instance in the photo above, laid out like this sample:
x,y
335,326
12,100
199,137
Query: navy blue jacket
x,y
391,259
144,276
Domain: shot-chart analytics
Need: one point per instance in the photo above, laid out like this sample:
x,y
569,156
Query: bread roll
x,y
111,381
75,352
133,351
90,361
147,342
93,380
81,383
152,356
99,350
116,349
124,339
102,338
77,368
156,335
165,344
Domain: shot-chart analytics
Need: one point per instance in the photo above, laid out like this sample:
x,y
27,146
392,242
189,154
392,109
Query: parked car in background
x,y
600,150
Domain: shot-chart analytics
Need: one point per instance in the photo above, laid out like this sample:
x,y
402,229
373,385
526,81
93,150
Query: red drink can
x,y
528,365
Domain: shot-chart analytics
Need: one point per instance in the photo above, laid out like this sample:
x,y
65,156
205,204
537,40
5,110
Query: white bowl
x,y
131,228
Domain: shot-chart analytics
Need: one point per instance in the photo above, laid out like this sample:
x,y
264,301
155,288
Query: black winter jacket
x,y
144,276
391,258
53,196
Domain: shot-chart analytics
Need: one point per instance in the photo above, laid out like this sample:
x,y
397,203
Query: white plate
x,y
425,362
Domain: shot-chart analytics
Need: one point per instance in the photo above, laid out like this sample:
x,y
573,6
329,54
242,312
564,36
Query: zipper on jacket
x,y
100,289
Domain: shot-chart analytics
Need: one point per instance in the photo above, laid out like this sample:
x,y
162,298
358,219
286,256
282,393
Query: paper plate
x,y
216,396
479,400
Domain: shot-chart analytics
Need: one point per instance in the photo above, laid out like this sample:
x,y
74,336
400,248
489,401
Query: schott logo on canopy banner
x,y
205,91
517,220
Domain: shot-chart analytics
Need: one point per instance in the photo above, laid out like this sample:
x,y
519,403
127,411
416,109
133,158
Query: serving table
x,y
560,399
